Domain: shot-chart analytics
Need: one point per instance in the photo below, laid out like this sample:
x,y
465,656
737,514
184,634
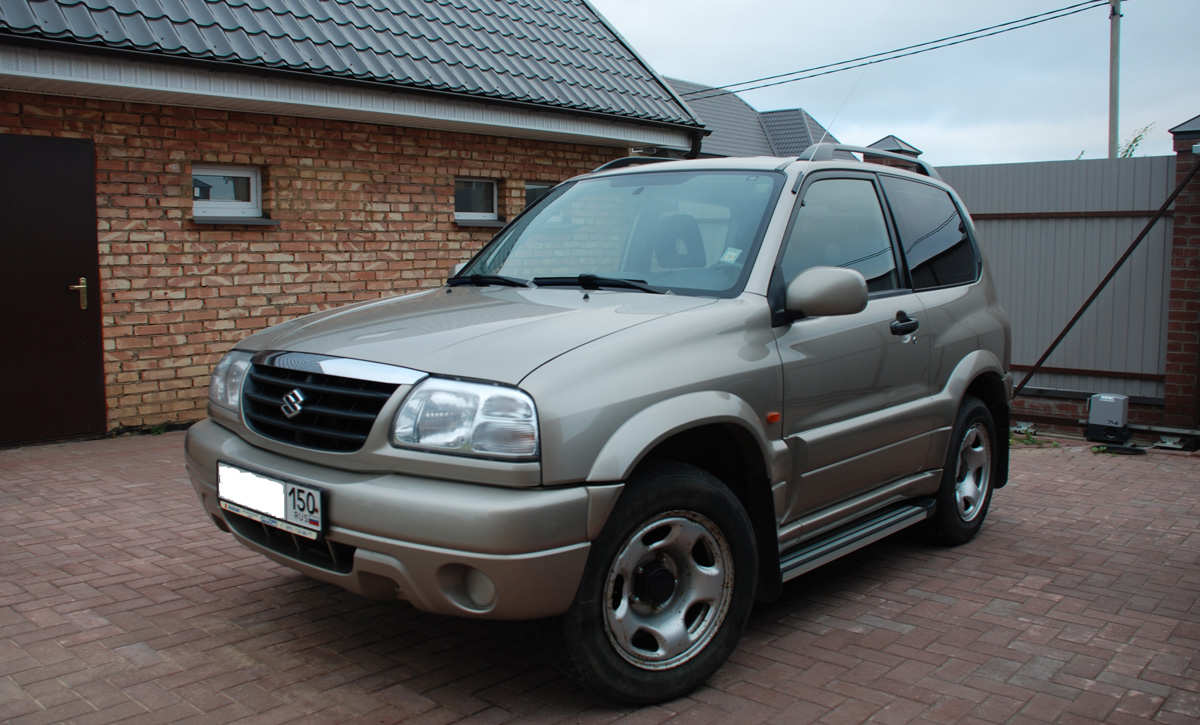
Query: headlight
x,y
225,387
467,418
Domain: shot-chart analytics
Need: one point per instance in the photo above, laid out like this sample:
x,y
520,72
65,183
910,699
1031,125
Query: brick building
x,y
174,181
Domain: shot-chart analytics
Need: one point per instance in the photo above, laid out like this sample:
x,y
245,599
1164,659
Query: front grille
x,y
325,553
336,413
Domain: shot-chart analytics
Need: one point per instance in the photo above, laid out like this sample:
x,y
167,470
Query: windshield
x,y
687,232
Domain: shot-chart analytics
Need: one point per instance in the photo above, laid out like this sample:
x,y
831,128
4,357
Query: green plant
x,y
1129,147
1025,438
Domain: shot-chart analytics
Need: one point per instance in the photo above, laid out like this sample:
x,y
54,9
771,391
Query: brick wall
x,y
1183,302
1066,412
895,163
365,211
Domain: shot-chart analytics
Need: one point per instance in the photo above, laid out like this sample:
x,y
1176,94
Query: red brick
x,y
380,191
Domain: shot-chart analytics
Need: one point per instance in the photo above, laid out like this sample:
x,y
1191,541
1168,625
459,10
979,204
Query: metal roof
x,y
556,53
896,145
792,130
739,130
736,130
1191,125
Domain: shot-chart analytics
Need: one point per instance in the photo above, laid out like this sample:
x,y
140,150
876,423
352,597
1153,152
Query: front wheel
x,y
667,590
966,490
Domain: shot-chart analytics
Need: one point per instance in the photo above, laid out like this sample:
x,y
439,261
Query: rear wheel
x,y
966,490
668,587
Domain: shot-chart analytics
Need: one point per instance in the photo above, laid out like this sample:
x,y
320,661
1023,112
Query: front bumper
x,y
448,547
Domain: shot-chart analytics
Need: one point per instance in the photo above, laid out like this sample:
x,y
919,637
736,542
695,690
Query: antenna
x,y
838,114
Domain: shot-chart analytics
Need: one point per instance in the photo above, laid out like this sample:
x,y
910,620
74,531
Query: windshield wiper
x,y
591,281
483,280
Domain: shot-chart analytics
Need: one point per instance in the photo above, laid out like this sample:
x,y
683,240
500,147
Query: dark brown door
x,y
51,364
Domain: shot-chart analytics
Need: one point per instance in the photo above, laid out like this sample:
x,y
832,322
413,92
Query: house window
x,y
534,193
226,191
475,200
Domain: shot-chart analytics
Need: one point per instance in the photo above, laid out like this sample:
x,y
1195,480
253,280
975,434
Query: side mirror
x,y
821,291
458,268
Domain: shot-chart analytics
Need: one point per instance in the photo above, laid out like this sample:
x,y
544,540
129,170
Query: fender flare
x,y
628,445
970,369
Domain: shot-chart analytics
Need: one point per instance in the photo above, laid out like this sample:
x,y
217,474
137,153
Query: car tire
x,y
968,477
667,590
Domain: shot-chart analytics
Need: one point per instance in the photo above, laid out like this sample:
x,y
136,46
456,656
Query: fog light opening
x,y
481,590
467,587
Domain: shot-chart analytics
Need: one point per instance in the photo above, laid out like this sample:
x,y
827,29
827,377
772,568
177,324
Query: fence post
x,y
1182,391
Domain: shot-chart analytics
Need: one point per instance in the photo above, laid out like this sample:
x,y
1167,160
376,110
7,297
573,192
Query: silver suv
x,y
654,397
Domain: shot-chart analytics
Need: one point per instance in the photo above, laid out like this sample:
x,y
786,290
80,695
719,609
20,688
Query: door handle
x,y
904,325
81,288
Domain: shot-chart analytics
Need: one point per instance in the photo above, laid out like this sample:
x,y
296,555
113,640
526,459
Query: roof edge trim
x,y
65,69
19,38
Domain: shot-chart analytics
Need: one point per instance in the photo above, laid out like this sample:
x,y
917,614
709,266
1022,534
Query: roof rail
x,y
630,161
827,151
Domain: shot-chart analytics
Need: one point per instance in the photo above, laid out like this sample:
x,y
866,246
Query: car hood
x,y
487,333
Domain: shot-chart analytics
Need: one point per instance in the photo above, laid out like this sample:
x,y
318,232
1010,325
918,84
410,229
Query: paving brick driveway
x,y
1079,602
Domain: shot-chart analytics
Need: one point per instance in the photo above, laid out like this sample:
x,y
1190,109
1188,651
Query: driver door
x,y
847,378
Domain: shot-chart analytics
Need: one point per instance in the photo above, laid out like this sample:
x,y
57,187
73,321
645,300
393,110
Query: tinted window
x,y
536,192
932,233
840,224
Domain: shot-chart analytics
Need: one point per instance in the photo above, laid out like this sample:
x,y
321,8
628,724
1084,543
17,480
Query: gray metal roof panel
x,y
893,143
736,130
792,130
1192,125
548,52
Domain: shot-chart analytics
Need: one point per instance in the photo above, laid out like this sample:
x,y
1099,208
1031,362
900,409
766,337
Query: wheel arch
x,y
982,375
727,451
728,442
990,388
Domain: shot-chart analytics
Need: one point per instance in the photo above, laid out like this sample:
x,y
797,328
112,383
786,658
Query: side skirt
x,y
851,538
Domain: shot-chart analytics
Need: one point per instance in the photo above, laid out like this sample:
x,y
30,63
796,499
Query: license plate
x,y
297,509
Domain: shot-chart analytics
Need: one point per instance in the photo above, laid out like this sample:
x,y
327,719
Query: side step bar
x,y
800,561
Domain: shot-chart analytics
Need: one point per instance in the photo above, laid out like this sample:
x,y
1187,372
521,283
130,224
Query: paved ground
x,y
1079,602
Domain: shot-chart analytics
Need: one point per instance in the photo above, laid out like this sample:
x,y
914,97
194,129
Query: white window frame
x,y
252,208
478,216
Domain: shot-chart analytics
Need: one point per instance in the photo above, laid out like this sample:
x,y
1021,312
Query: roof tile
x,y
550,52
792,130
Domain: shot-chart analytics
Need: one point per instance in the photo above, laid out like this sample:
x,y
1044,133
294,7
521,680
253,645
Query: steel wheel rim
x,y
653,634
973,478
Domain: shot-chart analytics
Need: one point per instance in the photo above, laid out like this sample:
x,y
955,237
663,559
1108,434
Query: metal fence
x,y
1050,231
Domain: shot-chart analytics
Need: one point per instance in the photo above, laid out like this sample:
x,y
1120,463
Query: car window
x,y
690,232
932,234
840,224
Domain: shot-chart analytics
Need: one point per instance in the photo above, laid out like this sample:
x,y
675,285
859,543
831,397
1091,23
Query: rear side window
x,y
932,233
840,224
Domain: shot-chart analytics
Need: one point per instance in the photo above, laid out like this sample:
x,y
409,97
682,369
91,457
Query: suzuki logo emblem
x,y
292,403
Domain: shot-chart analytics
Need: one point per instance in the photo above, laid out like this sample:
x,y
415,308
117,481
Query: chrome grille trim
x,y
337,412
342,367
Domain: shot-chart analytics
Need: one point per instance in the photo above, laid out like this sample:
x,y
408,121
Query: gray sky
x,y
1035,94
